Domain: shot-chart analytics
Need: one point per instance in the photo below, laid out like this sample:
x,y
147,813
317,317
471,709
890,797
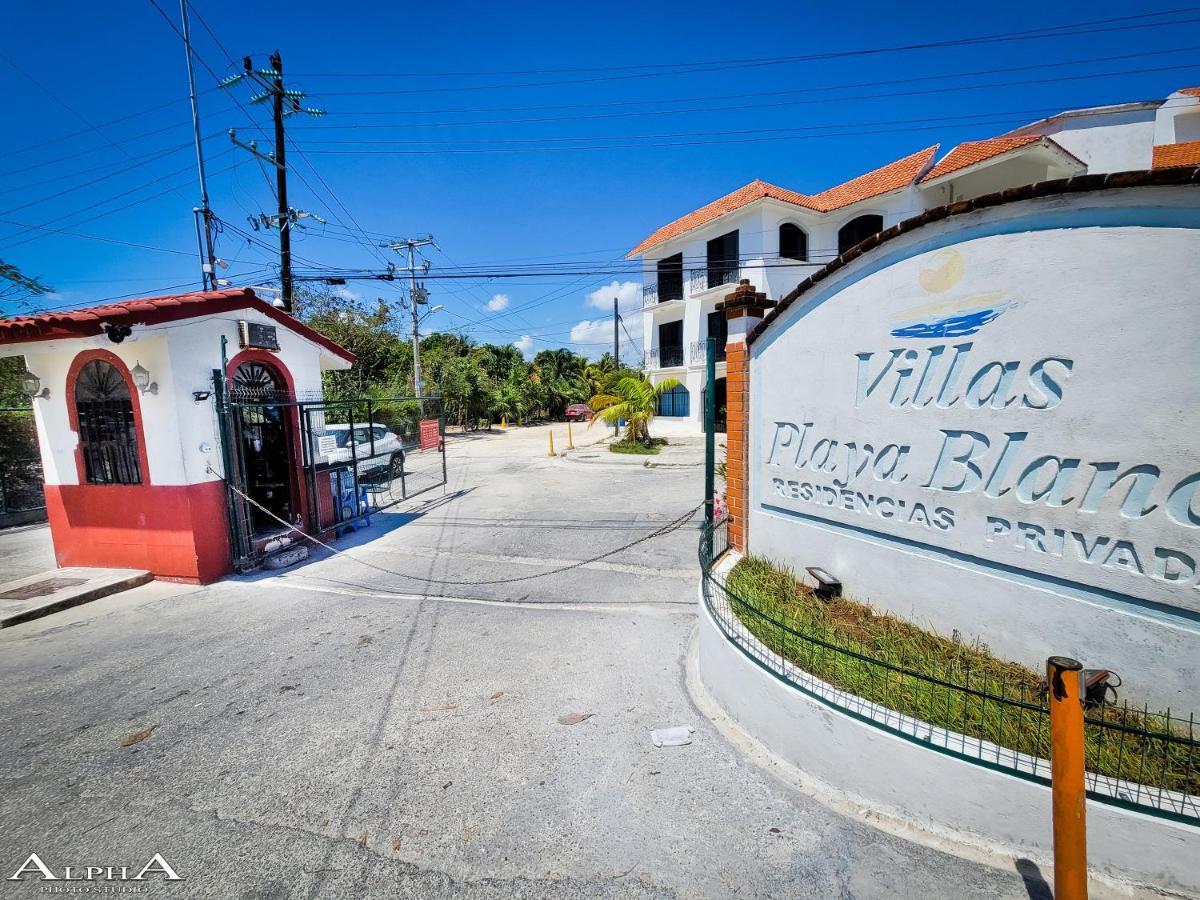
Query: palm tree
x,y
636,401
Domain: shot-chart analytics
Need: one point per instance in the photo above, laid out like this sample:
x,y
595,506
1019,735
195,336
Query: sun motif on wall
x,y
953,317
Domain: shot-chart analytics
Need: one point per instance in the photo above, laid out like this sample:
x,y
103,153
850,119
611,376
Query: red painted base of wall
x,y
175,531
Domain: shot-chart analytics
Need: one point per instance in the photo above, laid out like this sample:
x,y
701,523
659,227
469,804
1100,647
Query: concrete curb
x,y
110,582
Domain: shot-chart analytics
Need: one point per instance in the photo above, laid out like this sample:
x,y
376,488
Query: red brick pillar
x,y
744,309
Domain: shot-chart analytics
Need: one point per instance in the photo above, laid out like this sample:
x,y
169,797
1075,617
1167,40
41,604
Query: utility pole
x,y
202,213
616,350
417,297
283,104
285,229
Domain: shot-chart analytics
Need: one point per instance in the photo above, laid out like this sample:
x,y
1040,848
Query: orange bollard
x,y
1068,797
570,438
551,453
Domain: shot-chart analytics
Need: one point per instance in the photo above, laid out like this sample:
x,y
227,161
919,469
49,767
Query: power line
x,y
1059,31
816,101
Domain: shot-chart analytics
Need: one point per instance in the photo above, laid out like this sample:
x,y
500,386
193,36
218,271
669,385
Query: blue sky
x,y
390,76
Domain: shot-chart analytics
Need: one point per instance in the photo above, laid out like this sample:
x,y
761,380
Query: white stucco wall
x,y
975,500
1119,141
878,772
180,357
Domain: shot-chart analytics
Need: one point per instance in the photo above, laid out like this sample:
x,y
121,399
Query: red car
x,y
579,412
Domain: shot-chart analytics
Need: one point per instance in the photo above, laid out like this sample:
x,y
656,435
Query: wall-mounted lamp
x,y
141,380
827,587
32,385
201,396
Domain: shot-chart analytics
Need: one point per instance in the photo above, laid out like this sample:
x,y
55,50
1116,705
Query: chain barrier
x,y
673,525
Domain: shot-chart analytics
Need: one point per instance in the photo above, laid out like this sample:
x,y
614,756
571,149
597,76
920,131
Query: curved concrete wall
x,y
987,425
934,792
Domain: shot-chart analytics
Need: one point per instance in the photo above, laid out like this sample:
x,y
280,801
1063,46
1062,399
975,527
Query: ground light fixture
x,y
828,587
141,379
32,385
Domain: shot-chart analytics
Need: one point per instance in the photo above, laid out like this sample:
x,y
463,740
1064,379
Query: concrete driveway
x,y
338,731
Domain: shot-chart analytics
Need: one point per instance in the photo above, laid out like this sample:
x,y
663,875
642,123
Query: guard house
x,y
130,436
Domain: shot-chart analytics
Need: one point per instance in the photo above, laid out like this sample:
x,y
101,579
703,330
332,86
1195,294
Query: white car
x,y
374,446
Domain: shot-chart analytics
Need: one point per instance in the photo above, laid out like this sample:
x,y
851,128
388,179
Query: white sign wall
x,y
986,422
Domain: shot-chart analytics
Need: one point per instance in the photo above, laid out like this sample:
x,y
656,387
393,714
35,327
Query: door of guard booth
x,y
349,459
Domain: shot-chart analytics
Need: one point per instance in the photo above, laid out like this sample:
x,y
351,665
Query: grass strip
x,y
965,687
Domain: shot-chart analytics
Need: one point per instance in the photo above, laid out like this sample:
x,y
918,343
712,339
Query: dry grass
x,y
835,634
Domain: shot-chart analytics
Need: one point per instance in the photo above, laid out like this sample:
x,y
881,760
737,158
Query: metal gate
x,y
321,467
22,498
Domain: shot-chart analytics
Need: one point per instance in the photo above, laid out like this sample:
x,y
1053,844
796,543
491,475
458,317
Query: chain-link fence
x,y
22,498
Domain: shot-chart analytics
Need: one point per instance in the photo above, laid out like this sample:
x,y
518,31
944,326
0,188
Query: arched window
x,y
793,242
107,429
858,230
673,402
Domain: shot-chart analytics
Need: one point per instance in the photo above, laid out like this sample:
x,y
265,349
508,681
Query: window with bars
x,y
107,430
673,402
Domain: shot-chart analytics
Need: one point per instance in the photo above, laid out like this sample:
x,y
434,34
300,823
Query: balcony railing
x,y
651,294
664,357
698,349
712,276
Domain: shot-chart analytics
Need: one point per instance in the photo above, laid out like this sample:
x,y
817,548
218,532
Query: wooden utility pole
x,y
285,225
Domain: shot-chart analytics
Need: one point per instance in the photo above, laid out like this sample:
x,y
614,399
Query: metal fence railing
x,y
1136,758
21,493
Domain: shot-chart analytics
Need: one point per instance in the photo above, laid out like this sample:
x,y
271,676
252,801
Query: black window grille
x,y
723,259
858,230
670,278
793,242
674,402
107,429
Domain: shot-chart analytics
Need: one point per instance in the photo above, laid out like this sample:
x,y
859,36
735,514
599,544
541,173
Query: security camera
x,y
117,333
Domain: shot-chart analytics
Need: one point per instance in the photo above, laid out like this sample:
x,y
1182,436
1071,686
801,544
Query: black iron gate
x,y
22,498
322,467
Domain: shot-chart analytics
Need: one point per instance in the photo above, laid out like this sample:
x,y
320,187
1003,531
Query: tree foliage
x,y
477,382
633,401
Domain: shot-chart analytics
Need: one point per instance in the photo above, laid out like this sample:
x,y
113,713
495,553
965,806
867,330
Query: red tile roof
x,y
887,178
1168,156
971,152
755,190
72,323
894,175
1191,92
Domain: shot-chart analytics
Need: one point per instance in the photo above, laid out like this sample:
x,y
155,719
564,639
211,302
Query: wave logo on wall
x,y
949,318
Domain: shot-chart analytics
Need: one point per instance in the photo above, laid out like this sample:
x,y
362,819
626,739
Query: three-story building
x,y
774,236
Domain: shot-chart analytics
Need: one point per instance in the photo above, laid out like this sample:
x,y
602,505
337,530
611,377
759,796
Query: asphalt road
x,y
337,731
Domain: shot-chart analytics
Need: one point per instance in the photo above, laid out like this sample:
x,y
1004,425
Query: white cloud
x,y
595,339
525,344
628,294
346,294
497,303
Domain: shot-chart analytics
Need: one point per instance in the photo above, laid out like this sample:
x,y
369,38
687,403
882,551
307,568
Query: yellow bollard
x,y
1067,778
504,423
551,453
570,439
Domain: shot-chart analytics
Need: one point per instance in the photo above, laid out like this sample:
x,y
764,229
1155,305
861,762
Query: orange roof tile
x,y
969,153
1191,92
894,175
50,325
887,178
755,190
1168,156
